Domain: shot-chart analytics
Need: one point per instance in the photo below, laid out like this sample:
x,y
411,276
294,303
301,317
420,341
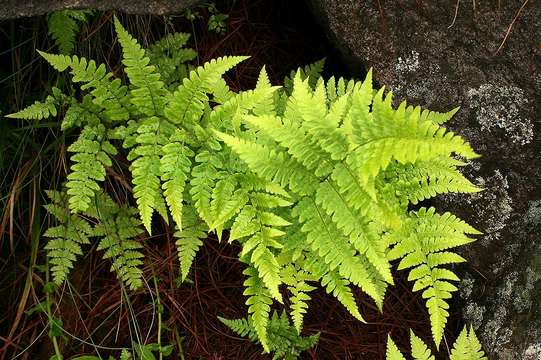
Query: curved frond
x,y
65,239
91,156
109,94
258,302
148,93
425,239
189,240
175,167
118,228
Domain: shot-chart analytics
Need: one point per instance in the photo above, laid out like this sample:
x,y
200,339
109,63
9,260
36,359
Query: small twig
x,y
511,26
456,13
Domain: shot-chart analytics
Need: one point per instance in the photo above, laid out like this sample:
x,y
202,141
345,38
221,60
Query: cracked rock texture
x,y
426,57
11,9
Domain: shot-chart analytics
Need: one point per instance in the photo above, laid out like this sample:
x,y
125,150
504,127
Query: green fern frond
x,y
299,288
350,221
175,167
301,147
37,111
63,26
426,179
118,228
65,240
109,94
284,342
390,135
338,286
204,176
259,247
311,73
274,166
419,350
258,302
241,327
146,170
91,156
148,93
426,238
189,239
331,246
437,117
392,351
188,102
171,58
467,347
227,201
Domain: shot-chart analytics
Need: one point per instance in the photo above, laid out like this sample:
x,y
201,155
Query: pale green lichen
x,y
523,298
533,352
500,107
533,215
474,313
408,63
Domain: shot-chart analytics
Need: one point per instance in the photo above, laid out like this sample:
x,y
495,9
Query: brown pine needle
x,y
511,26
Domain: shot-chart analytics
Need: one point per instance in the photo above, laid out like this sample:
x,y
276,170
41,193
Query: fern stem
x,y
58,353
179,344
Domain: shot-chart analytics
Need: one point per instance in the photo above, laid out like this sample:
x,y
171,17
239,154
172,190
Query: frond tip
x,y
466,347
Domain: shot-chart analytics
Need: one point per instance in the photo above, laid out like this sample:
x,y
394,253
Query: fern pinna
x,y
466,347
315,180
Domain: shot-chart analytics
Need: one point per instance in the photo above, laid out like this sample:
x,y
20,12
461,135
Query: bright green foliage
x,y
312,72
108,95
92,152
466,347
189,239
115,225
392,351
41,110
64,25
423,246
259,300
314,180
355,164
171,58
65,239
118,228
419,350
284,342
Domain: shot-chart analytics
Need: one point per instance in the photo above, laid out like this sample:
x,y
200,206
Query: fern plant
x,y
314,180
466,347
64,25
284,340
115,225
353,165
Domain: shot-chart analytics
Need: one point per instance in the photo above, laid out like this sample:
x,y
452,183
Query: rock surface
x,y
433,58
11,9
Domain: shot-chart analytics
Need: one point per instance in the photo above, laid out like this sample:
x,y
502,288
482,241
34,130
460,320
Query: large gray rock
x,y
10,9
417,49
